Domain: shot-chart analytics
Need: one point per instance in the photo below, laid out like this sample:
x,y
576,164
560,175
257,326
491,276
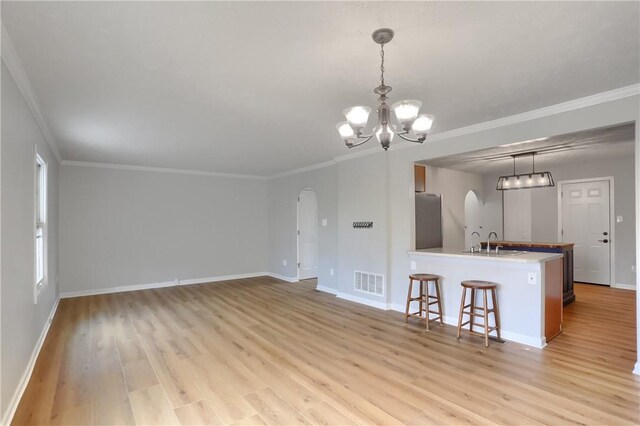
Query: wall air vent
x,y
368,283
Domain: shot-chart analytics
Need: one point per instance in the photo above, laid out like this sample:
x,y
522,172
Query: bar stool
x,y
483,286
424,299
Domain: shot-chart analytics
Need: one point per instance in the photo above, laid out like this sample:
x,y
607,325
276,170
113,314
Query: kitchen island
x,y
529,288
565,248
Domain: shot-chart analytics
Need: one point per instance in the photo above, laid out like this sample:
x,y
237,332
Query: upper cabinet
x,y
420,176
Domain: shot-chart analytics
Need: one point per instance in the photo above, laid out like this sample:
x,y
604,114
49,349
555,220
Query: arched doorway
x,y
307,234
471,218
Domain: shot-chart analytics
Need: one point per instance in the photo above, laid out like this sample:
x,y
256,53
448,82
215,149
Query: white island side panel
x,y
521,304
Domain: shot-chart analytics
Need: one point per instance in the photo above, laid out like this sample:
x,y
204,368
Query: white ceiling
x,y
257,87
575,148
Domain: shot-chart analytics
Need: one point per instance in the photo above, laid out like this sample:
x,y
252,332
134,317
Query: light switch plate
x,y
531,278
324,222
331,271
284,262
619,219
413,265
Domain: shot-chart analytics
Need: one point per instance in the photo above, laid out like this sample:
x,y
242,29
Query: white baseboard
x,y
222,278
505,334
508,335
120,289
397,307
636,369
624,286
26,376
282,277
362,300
327,289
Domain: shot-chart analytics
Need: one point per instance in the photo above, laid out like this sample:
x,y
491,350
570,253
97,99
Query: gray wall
x,y
22,320
363,196
126,227
283,196
492,208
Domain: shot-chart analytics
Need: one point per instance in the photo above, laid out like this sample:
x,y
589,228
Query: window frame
x,y
40,226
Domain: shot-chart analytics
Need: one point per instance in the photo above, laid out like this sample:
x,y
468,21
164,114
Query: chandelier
x,y
406,112
528,180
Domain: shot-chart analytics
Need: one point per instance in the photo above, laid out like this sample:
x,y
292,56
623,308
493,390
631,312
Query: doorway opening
x,y
307,235
471,219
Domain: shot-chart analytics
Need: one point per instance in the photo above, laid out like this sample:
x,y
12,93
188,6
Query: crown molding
x,y
157,170
14,65
304,169
587,101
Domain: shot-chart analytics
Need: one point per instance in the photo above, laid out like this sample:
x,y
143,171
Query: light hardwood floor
x,y
262,351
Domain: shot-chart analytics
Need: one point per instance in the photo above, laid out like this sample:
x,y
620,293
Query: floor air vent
x,y
368,283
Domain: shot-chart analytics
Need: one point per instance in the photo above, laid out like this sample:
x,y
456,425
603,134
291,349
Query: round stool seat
x,y
424,277
479,285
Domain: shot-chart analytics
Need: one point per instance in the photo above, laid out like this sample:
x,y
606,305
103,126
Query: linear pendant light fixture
x,y
406,112
526,180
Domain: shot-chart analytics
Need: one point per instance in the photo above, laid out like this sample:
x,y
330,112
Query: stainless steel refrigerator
x,y
428,220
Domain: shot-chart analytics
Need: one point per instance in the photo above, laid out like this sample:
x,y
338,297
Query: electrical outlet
x,y
176,281
324,222
413,265
331,271
284,262
531,278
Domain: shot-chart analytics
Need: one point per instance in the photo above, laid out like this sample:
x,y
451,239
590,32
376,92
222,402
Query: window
x,y
41,226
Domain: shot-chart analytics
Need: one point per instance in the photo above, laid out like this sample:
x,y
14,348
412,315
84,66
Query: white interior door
x,y
307,235
585,221
517,215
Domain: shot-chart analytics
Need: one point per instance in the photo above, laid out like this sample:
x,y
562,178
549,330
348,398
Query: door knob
x,y
604,241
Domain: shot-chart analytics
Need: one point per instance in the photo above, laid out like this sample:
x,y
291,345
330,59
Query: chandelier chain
x,y
382,64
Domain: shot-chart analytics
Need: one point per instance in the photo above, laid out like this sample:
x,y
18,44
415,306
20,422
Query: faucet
x,y
473,246
489,240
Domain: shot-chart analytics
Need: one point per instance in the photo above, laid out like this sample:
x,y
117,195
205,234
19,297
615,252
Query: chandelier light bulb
x,y
422,125
345,130
357,116
384,135
406,111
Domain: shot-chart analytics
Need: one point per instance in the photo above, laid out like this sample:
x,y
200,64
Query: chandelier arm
x,y
401,135
353,145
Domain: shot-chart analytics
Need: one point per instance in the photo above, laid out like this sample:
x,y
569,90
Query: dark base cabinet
x,y
565,249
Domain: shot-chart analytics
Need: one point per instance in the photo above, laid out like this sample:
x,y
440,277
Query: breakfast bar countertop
x,y
505,256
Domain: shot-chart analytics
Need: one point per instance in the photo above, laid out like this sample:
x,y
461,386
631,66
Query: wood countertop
x,y
529,244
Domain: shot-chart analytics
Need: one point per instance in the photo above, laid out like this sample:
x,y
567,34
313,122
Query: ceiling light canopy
x,y
406,112
529,180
